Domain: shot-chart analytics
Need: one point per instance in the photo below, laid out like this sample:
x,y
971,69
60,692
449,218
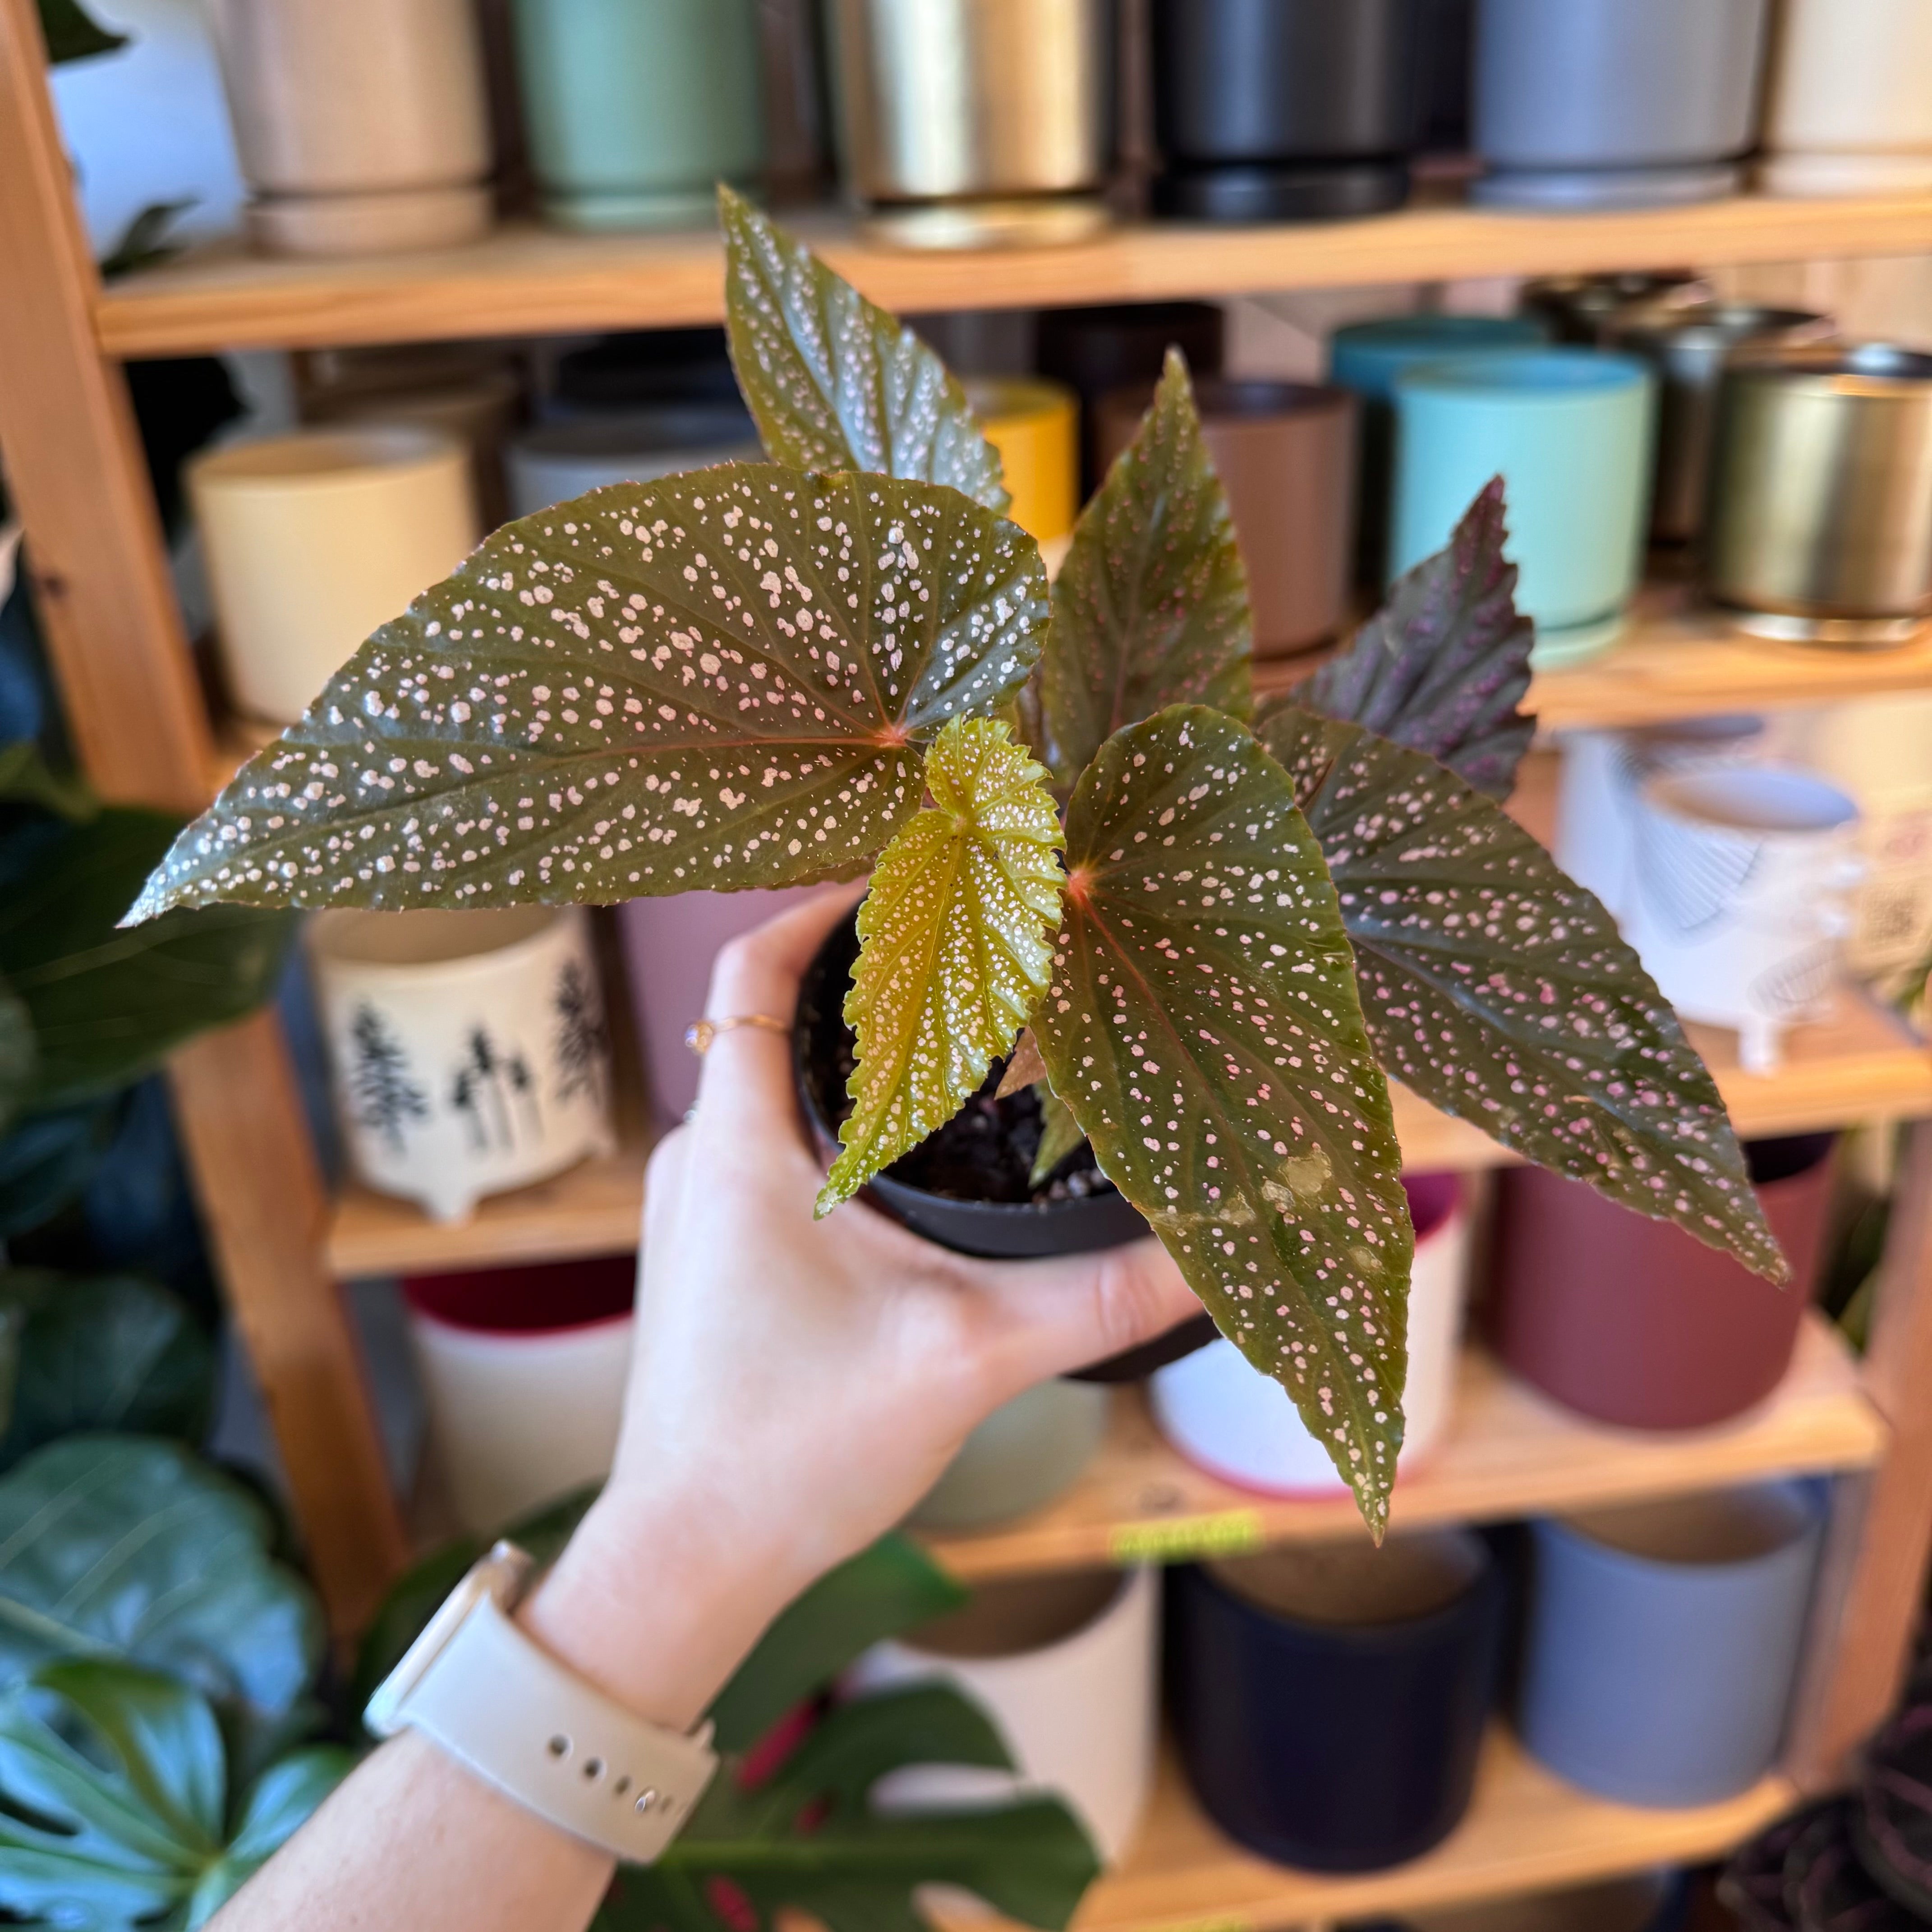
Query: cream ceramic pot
x,y
1849,110
468,1049
314,539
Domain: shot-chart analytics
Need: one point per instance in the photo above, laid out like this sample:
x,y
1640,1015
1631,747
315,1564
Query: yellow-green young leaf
x,y
1059,1133
1203,1025
952,946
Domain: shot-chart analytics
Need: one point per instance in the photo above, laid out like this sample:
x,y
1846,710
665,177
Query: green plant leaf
x,y
1442,666
124,1546
723,680
27,778
48,1158
1150,607
952,951
1204,1027
72,34
833,381
116,1789
103,1352
108,1005
1059,1134
1498,989
19,1055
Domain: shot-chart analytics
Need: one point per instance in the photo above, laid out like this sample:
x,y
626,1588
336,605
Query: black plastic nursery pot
x,y
965,1188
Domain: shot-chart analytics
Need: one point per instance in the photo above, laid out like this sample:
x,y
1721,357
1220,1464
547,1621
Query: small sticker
x,y
1184,1539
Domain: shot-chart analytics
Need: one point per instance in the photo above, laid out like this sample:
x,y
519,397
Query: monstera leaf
x,y
1150,607
952,951
834,382
118,1811
721,680
1441,667
1498,989
1203,1025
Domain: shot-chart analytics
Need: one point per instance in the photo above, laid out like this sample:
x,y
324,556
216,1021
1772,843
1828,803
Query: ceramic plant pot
x,y
635,112
1740,904
1635,1323
1849,110
523,1373
468,1049
313,540
1035,426
1661,1640
1651,1901
1578,310
975,123
362,125
1236,1424
1615,103
1329,1700
1284,112
1571,432
552,462
1821,493
1028,1451
1286,455
1065,1666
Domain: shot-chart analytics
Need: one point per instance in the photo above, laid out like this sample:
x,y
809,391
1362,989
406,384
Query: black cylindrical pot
x,y
1329,1700
1274,110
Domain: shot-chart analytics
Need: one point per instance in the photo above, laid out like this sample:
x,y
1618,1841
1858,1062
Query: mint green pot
x,y
634,109
1570,431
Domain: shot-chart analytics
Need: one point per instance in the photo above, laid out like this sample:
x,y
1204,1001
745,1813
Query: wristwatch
x,y
501,1705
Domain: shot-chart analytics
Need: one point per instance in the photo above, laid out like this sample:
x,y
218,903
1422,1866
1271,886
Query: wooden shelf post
x,y
96,559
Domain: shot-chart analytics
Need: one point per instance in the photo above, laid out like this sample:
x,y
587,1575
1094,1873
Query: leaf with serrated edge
x,y
1442,666
952,951
1150,607
721,680
834,382
1498,988
1204,1027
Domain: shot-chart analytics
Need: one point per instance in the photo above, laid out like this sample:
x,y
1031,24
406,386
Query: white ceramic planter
x,y
362,125
314,539
1849,110
1065,1666
468,1049
1237,1423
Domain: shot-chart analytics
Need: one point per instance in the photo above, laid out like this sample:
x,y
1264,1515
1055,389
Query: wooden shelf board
x,y
525,280
1526,1830
1508,1453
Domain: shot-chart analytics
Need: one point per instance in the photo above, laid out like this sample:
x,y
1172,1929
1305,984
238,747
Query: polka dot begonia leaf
x,y
723,680
1150,607
953,949
1203,1025
1499,990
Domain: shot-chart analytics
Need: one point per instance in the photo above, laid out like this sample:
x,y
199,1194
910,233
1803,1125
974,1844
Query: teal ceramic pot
x,y
1367,357
635,108
1570,431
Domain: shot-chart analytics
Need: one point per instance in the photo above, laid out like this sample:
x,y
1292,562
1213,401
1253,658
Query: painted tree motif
x,y
489,1089
384,1097
582,1044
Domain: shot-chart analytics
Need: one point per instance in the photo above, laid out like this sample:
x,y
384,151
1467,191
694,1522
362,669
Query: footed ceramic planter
x,y
523,1371
1065,1666
1234,1422
468,1049
1026,1453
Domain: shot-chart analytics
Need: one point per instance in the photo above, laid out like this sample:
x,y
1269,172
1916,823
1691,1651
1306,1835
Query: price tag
x,y
1186,1539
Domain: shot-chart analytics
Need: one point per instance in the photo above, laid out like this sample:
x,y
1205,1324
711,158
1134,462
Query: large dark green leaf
x,y
1442,666
116,1788
1150,607
1203,1025
18,1055
72,34
48,1158
1498,989
124,1546
27,778
106,1352
833,381
108,1005
725,678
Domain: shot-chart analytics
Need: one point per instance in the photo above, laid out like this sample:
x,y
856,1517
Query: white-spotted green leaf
x,y
1204,1027
952,946
1150,607
1498,989
723,680
834,382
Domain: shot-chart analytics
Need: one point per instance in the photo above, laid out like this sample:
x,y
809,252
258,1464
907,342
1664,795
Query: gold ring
x,y
699,1035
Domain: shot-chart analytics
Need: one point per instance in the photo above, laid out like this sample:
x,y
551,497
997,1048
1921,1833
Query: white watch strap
x,y
495,1700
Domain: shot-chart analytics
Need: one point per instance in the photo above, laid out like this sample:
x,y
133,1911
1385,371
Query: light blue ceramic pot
x,y
635,108
1570,431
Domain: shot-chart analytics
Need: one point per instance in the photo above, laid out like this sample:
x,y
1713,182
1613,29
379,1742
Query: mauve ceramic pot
x,y
1634,1322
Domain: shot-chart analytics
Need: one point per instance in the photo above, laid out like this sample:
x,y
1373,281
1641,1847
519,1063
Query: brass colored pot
x,y
1820,522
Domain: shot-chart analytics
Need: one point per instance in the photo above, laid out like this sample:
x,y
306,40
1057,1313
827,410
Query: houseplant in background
x,y
754,675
